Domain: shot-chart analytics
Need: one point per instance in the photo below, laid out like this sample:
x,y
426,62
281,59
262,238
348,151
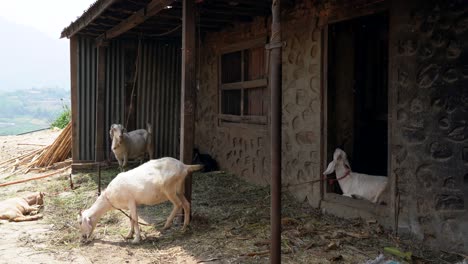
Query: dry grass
x,y
230,225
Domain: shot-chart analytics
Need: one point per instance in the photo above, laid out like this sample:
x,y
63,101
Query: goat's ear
x,y
330,169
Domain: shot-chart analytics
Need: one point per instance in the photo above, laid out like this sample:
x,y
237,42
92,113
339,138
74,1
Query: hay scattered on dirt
x,y
230,225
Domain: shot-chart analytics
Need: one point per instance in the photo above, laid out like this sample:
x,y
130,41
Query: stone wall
x,y
430,131
244,148
428,114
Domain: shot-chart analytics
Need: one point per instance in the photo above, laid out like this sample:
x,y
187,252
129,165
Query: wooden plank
x,y
134,20
246,85
74,96
243,119
100,105
188,103
253,43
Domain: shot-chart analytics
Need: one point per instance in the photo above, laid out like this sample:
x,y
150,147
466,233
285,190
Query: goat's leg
x,y
125,160
23,218
132,230
120,163
134,215
186,206
177,204
32,209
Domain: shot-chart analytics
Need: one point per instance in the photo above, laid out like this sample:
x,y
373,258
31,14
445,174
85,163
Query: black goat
x,y
206,160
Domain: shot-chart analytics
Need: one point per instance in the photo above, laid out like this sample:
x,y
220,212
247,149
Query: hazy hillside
x,y
26,110
30,58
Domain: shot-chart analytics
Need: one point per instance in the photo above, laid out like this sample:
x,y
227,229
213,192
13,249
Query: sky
x,y
31,53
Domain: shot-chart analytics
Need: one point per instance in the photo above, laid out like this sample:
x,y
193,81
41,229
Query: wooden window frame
x,y
242,85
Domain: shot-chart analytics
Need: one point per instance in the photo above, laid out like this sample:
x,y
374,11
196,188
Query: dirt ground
x,y
230,225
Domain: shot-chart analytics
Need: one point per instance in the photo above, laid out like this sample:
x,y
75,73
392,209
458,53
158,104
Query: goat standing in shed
x,y
354,184
131,145
154,182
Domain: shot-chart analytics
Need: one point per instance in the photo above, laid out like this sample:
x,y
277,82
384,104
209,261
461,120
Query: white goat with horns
x,y
154,182
354,184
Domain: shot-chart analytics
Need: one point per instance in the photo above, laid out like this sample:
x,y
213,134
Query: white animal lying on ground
x,y
154,182
131,145
14,209
355,184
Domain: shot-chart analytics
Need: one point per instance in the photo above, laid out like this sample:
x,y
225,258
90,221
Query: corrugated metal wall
x,y
115,90
157,93
86,83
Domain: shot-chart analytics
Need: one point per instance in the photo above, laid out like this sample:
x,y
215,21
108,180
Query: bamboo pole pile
x,y
53,156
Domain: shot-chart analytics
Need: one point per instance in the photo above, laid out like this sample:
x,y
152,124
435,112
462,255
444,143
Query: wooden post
x,y
100,101
276,109
187,120
74,53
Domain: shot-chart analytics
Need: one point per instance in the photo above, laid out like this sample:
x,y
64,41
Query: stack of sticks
x,y
54,156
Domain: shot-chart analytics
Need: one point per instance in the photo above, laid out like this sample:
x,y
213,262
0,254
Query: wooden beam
x,y
90,15
134,20
74,96
100,107
188,103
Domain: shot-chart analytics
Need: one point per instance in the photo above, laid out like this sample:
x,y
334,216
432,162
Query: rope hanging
x,y
137,63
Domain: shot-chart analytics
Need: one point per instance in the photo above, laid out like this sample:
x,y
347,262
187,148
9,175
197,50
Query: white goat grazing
x,y
355,184
131,145
154,182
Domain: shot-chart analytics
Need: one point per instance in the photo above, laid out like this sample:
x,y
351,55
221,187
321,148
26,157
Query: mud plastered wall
x,y
242,149
301,103
430,131
245,149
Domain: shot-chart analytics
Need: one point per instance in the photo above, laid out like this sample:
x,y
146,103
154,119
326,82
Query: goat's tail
x,y
192,168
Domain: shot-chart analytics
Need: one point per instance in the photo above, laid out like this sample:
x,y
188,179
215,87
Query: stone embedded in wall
x,y
305,137
465,154
450,183
461,25
301,98
425,177
400,153
450,76
440,150
403,78
427,28
438,40
412,135
428,75
453,50
444,123
402,116
407,47
425,52
416,106
449,201
459,133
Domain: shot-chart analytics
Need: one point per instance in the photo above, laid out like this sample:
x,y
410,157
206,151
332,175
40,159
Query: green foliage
x,y
63,119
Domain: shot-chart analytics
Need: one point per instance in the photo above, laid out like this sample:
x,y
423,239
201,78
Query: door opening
x,y
357,93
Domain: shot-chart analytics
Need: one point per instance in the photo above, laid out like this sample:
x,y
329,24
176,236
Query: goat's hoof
x,y
129,236
136,241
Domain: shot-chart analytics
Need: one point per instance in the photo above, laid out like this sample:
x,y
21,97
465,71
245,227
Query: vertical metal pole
x,y
187,119
100,101
275,86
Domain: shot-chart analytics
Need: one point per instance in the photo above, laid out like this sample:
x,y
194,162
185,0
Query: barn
x,y
271,90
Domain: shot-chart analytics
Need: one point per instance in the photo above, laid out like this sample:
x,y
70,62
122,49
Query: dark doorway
x,y
357,95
